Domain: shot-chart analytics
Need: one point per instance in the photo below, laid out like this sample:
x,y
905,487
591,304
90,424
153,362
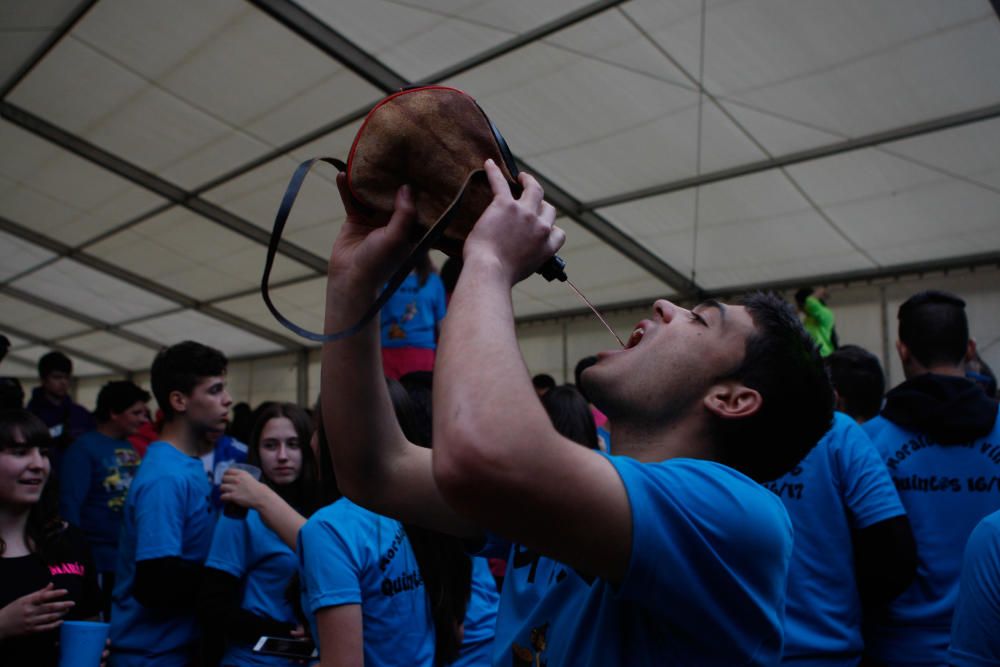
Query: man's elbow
x,y
465,465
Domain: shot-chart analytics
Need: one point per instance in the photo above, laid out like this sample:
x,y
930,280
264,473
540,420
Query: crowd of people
x,y
730,488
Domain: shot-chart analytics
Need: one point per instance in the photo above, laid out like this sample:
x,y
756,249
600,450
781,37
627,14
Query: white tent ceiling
x,y
694,147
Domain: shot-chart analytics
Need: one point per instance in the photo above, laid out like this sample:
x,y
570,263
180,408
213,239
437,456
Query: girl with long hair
x,y
46,572
378,592
250,564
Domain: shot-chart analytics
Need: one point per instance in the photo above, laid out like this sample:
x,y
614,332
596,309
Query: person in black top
x,y
46,572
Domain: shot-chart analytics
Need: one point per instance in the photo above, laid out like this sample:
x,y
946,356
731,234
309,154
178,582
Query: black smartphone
x,y
286,648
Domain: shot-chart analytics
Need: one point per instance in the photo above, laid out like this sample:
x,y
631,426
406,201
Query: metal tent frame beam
x,y
88,151
142,282
86,356
95,324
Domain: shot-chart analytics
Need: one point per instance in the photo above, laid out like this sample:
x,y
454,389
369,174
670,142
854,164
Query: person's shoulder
x,y
700,485
985,538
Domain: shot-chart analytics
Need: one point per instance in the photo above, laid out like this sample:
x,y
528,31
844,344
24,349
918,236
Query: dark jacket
x,y
949,410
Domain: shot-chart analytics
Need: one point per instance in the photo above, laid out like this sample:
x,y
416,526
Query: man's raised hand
x,y
365,254
519,234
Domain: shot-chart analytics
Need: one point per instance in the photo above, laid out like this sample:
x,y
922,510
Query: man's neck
x,y
179,433
52,398
108,430
944,369
680,439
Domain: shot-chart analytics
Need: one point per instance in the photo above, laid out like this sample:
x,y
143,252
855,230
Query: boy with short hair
x,y
97,471
169,517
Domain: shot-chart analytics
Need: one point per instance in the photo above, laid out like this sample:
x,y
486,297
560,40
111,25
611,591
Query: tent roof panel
x,y
17,256
114,348
99,295
189,324
418,40
35,320
940,74
192,255
303,304
948,218
750,46
969,151
62,195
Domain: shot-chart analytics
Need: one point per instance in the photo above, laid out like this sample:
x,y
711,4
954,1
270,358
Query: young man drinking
x,y
668,552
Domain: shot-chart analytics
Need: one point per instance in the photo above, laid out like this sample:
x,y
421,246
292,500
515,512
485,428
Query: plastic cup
x,y
232,510
81,643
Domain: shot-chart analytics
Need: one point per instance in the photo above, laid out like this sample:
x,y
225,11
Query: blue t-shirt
x,y
840,486
946,490
168,512
874,426
96,474
975,628
253,553
705,583
410,317
480,617
348,555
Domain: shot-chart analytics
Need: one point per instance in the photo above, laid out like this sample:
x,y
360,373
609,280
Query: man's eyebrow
x,y
712,303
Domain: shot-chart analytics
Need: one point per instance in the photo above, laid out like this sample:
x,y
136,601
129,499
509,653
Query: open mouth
x,y
636,336
31,482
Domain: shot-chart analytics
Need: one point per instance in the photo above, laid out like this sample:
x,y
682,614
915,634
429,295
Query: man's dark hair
x,y
934,328
4,346
581,366
783,364
180,367
117,397
543,381
857,376
802,294
54,362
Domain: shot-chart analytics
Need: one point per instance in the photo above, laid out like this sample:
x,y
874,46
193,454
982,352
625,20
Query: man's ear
x,y
970,351
178,401
731,399
903,351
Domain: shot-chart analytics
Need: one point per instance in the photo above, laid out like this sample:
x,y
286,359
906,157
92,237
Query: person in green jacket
x,y
818,319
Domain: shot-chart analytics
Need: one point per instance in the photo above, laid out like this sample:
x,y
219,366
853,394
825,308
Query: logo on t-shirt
x,y
67,568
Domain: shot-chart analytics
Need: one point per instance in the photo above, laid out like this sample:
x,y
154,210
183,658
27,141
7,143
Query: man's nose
x,y
665,310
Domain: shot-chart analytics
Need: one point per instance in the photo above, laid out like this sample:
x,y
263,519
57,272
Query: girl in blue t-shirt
x,y
249,567
368,583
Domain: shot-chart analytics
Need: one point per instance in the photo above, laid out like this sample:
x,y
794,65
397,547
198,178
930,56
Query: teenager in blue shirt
x,y
169,517
97,471
975,628
670,552
391,593
840,496
939,437
249,567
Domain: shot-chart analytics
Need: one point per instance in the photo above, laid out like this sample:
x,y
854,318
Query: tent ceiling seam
x,y
94,324
144,283
153,183
86,356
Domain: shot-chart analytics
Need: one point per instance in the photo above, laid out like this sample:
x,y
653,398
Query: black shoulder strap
x,y
425,243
